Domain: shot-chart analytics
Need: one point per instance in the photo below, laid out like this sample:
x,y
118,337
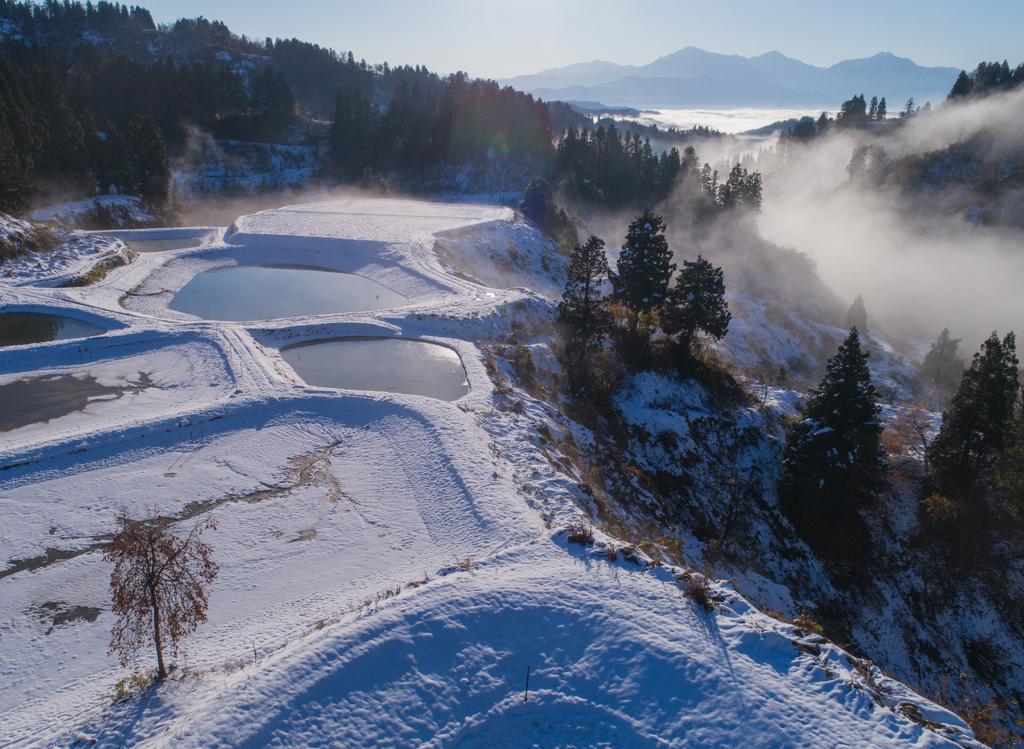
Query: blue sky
x,y
503,39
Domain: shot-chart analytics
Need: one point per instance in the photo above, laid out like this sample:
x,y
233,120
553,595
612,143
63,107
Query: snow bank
x,y
122,208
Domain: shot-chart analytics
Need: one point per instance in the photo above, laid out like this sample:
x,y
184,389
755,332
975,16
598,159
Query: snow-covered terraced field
x,y
329,502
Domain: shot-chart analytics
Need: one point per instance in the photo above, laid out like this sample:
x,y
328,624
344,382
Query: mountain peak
x,y
693,77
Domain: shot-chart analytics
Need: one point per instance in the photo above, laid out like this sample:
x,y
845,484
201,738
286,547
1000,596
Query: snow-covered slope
x,y
114,210
391,564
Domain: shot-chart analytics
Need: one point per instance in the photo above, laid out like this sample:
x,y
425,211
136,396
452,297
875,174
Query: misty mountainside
x,y
690,466
976,182
693,77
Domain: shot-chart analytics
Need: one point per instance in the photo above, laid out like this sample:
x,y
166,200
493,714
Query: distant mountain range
x,y
692,78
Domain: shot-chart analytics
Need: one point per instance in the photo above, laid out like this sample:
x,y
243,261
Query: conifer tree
x,y
880,114
21,135
962,87
15,189
833,459
857,316
697,303
645,264
113,167
944,365
582,312
977,422
538,203
63,157
150,165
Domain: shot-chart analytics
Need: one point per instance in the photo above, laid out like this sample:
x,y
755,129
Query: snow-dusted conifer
x,y
976,424
833,459
645,264
582,310
697,303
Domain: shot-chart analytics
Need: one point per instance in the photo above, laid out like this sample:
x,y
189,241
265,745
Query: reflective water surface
x,y
267,292
20,328
159,245
392,365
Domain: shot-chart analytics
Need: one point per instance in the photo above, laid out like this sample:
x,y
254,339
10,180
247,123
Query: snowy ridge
x,y
330,501
122,208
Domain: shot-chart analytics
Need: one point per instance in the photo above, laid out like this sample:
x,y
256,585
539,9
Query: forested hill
x,y
95,95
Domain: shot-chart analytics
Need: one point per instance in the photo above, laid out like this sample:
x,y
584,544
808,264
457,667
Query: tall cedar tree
x,y
697,303
159,585
976,424
833,459
645,264
582,312
21,136
150,166
63,157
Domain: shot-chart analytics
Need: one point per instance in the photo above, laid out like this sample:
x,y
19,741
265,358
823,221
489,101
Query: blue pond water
x,y
20,328
268,292
392,365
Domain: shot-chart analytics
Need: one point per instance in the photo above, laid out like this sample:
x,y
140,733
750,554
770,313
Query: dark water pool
x,y
392,365
40,399
268,292
19,328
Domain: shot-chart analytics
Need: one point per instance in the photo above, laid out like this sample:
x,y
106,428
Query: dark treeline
x,y
43,145
668,135
987,78
609,169
92,91
113,87
319,73
856,112
70,19
467,123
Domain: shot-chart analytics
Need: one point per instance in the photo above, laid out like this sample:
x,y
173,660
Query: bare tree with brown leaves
x,y
159,585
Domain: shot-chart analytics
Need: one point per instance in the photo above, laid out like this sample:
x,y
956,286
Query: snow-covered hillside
x,y
391,565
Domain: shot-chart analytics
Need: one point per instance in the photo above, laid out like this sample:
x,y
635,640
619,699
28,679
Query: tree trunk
x,y
161,672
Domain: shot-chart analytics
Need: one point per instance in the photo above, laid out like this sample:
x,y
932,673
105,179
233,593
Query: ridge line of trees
x,y
612,170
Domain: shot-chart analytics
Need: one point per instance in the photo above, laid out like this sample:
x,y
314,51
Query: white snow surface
x,y
329,501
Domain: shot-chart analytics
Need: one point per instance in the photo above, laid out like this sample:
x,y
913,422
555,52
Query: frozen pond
x,y
159,245
268,292
38,399
20,328
392,365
